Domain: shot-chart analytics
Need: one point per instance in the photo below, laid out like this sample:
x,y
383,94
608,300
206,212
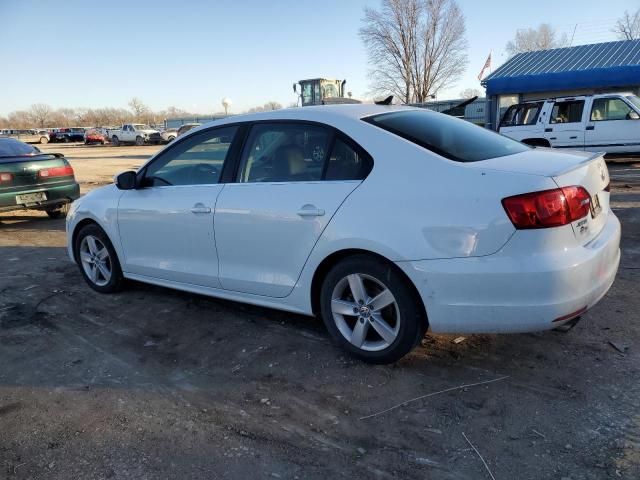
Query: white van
x,y
600,123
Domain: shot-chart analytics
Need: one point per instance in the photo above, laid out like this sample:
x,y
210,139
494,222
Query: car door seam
x,y
304,265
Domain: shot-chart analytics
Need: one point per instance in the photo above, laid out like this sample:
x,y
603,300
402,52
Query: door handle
x,y
200,208
548,129
310,211
590,127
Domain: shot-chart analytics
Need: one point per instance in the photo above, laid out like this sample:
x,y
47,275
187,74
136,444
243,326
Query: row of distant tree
x,y
41,115
416,48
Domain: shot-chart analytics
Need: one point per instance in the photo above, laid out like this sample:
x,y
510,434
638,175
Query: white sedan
x,y
384,220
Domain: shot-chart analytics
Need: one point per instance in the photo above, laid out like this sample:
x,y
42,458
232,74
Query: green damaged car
x,y
30,179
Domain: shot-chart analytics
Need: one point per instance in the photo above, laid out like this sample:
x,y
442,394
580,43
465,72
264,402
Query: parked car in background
x,y
137,133
186,127
385,221
73,134
94,135
169,134
27,136
34,180
608,122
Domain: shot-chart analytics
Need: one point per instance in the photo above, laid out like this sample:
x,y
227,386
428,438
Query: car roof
x,y
321,113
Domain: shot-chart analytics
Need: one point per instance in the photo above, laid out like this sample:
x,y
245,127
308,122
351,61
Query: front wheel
x,y
370,309
44,140
97,260
139,141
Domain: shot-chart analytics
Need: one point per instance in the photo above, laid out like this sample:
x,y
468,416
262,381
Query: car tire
x,y
115,141
170,139
59,212
97,260
375,335
44,140
139,141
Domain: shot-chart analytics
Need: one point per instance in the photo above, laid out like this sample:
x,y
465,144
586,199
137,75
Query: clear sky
x,y
191,54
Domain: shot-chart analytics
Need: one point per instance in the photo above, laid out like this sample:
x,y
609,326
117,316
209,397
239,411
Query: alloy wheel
x,y
95,260
365,312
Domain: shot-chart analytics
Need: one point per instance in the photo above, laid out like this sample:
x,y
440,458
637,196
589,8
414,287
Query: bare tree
x,y
272,105
40,114
470,93
415,47
628,26
139,109
532,39
19,119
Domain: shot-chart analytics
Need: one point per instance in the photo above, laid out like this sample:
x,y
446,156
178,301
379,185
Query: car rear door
x,y
292,178
613,126
166,225
565,127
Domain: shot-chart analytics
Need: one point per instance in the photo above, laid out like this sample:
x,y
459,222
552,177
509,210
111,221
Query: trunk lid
x,y
25,171
565,168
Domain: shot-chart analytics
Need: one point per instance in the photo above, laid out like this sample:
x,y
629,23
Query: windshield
x,y
635,100
141,126
447,136
10,147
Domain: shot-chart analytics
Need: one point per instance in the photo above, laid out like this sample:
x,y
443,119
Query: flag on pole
x,y
487,64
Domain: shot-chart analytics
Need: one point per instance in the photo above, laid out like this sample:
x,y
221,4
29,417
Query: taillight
x,y
6,177
65,171
548,208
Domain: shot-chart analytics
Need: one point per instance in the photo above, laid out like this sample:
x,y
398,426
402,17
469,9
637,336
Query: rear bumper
x,y
57,195
509,293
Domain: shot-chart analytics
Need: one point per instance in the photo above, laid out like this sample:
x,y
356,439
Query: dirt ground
x,y
153,383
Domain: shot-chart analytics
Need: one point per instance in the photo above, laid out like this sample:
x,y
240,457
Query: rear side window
x,y
284,153
567,112
345,163
518,115
449,137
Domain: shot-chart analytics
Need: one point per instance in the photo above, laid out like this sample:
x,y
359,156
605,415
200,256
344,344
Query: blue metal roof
x,y
600,65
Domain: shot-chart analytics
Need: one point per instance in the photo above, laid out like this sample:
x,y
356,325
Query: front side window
x,y
284,152
195,161
567,112
449,137
611,109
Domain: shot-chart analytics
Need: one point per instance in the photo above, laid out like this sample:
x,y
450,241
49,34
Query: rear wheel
x,y
115,141
370,310
97,260
44,140
59,212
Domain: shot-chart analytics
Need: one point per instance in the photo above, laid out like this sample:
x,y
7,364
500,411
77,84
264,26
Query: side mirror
x,y
126,180
633,115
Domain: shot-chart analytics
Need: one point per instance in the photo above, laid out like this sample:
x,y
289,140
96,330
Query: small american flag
x,y
487,64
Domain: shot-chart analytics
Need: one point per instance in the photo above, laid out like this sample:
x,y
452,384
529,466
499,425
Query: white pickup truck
x,y
599,123
137,133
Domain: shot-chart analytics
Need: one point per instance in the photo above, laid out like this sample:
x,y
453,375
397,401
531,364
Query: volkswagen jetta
x,y
383,220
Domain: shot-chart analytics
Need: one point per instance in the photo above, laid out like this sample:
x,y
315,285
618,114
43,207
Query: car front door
x,y
565,127
291,179
613,127
166,225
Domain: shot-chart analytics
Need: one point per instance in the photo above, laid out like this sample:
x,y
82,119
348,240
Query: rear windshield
x,y
447,136
10,147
